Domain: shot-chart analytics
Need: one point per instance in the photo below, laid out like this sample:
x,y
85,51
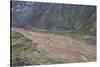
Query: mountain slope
x,y
29,15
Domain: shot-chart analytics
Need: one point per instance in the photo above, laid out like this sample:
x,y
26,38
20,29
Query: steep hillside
x,y
52,16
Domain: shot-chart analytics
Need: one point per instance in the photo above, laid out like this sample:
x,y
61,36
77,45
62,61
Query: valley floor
x,y
61,47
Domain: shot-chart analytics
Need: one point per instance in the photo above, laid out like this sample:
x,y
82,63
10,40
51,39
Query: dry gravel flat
x,y
62,47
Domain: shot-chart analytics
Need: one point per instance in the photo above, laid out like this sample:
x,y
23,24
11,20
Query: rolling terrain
x,y
59,46
51,33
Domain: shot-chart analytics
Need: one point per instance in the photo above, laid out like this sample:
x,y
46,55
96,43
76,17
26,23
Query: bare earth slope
x,y
61,47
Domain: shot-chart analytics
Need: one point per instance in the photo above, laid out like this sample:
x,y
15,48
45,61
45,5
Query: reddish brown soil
x,y
62,47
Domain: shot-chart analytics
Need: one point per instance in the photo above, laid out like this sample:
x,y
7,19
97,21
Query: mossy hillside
x,y
20,44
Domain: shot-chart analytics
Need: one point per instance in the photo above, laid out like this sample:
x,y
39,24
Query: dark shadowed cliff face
x,y
53,16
